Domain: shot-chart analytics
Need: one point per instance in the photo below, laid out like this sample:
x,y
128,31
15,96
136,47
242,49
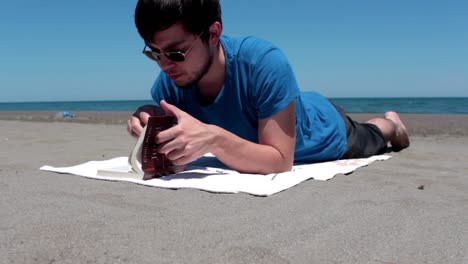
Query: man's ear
x,y
215,30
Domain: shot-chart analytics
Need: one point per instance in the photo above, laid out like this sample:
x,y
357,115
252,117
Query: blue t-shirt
x,y
259,82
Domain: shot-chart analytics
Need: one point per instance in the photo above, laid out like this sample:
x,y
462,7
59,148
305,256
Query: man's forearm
x,y
246,156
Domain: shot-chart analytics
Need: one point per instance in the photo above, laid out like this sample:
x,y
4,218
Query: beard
x,y
201,73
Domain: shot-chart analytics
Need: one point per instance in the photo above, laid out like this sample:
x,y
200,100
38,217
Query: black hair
x,y
196,16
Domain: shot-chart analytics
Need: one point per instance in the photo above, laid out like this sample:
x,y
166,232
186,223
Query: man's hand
x,y
188,140
139,119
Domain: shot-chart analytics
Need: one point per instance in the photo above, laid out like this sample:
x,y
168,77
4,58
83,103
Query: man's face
x,y
198,55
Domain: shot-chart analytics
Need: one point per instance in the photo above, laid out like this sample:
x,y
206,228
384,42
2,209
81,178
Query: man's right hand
x,y
139,119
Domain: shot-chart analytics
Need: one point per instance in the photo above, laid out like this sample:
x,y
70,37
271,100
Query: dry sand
x,y
412,208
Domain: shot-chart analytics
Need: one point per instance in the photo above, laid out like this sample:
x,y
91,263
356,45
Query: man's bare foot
x,y
401,139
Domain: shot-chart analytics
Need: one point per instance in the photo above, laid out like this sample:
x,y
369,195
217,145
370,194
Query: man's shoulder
x,y
246,44
249,49
249,39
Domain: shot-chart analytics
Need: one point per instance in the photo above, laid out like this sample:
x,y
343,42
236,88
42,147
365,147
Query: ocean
x,y
439,105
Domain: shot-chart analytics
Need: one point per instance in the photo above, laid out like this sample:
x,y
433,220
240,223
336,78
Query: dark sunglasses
x,y
176,56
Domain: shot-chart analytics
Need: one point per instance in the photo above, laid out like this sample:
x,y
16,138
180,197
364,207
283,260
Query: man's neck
x,y
210,85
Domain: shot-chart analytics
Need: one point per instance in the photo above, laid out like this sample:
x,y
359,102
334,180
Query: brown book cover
x,y
153,163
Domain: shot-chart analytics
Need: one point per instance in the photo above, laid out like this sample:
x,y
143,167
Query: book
x,y
145,162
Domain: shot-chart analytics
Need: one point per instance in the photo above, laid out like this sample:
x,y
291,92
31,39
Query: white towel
x,y
218,179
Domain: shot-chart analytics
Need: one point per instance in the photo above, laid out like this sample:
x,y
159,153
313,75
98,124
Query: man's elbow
x,y
287,166
279,167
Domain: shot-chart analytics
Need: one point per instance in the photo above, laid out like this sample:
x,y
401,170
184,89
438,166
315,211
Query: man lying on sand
x,y
238,98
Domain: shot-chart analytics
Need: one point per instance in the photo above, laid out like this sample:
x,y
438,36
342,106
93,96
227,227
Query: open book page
x,y
133,169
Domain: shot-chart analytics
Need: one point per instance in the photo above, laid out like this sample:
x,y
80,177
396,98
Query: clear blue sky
x,y
53,50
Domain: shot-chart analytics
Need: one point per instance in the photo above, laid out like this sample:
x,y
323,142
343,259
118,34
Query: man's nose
x,y
165,63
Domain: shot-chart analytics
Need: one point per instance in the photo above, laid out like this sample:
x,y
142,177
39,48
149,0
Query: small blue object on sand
x,y
65,114
68,114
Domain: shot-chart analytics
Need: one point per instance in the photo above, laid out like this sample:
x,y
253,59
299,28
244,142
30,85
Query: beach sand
x,y
412,208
